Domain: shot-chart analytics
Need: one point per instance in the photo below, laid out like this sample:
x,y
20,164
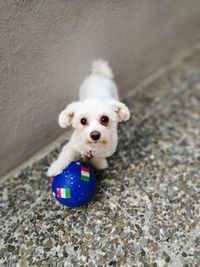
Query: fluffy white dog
x,y
94,119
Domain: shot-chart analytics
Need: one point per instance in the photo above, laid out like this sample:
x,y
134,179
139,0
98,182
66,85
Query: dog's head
x,y
95,120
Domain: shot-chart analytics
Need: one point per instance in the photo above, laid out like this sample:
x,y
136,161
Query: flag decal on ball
x,y
85,174
63,192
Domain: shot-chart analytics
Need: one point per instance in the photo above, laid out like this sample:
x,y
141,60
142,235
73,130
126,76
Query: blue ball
x,y
75,186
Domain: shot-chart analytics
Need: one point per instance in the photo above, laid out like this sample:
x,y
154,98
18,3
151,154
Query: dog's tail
x,y
102,68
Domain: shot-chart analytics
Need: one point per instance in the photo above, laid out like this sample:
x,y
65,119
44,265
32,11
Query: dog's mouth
x,y
101,142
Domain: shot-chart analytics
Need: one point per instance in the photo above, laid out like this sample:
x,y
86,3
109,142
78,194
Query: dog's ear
x,y
66,116
121,109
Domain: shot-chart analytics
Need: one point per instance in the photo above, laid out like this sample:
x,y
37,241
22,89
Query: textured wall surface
x,y
46,48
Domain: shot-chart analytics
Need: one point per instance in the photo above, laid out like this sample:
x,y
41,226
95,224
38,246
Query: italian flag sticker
x,y
85,174
63,192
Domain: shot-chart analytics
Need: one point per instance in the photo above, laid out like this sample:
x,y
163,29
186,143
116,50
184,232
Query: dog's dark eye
x,y
83,121
104,120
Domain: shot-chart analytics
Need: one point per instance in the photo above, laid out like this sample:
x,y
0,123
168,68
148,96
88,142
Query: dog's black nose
x,y
95,135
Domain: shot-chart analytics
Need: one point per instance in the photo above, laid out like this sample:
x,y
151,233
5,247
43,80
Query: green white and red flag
x,y
63,192
85,174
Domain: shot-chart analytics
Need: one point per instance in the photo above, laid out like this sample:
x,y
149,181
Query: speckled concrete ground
x,y
146,211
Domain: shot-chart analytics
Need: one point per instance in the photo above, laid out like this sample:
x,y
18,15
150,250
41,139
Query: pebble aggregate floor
x,y
146,210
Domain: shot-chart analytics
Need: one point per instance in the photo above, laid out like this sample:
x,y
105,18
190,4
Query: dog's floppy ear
x,y
121,109
66,116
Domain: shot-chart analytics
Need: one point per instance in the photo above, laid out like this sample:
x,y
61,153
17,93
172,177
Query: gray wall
x,y
46,48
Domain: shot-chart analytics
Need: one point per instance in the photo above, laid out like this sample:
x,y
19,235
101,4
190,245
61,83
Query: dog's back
x,y
99,83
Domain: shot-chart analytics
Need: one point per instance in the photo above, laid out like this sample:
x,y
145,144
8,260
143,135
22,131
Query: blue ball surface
x,y
75,186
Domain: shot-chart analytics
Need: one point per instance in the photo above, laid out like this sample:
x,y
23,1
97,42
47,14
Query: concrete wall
x,y
46,48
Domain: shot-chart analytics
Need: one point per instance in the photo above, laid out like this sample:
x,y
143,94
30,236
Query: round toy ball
x,y
75,186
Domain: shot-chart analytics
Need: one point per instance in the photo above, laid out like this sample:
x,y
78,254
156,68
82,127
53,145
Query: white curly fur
x,y
98,97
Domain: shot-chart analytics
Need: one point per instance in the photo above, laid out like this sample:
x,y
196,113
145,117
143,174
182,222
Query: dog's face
x,y
95,120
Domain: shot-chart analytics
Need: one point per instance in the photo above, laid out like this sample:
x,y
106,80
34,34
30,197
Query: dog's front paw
x,y
55,169
103,164
100,163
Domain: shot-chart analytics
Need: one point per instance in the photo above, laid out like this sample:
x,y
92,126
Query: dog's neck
x,y
90,155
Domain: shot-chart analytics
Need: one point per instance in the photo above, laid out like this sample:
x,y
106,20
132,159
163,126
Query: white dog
x,y
94,119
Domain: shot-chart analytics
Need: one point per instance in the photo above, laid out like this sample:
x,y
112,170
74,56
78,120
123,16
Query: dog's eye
x,y
104,120
83,121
